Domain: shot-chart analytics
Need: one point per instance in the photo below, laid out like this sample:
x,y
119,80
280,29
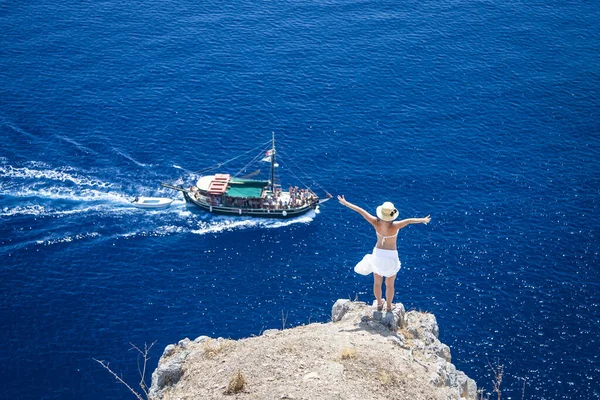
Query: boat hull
x,y
152,203
250,212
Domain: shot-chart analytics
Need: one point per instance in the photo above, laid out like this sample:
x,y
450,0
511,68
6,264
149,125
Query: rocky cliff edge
x,y
361,354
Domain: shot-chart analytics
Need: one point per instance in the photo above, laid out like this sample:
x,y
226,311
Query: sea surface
x,y
484,114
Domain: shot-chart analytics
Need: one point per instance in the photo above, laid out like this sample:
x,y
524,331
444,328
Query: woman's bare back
x,y
387,233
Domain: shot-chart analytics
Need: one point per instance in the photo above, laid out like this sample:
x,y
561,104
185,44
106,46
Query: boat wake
x,y
65,204
39,189
62,174
212,226
224,224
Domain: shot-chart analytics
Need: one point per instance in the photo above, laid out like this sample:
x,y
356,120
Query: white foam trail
x,y
38,210
21,131
304,219
128,157
87,188
67,239
75,211
160,231
77,145
126,235
229,224
57,193
224,226
104,209
26,210
38,164
166,230
183,169
60,175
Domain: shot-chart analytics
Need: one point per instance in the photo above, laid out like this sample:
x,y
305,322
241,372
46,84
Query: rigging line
x,y
234,158
291,171
259,155
297,177
215,166
308,176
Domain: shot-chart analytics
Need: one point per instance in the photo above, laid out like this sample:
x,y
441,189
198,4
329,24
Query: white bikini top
x,y
385,237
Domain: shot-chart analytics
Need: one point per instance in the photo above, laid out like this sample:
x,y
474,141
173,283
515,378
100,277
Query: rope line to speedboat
x,y
305,174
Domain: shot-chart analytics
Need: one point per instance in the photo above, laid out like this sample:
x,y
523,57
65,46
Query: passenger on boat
x,y
384,261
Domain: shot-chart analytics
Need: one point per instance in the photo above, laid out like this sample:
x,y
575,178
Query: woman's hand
x,y
426,220
371,219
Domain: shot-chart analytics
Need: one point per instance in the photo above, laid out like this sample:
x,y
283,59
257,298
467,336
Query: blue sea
x,y
484,114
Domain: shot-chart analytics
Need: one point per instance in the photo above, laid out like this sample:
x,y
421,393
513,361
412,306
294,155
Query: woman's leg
x,y
389,291
377,282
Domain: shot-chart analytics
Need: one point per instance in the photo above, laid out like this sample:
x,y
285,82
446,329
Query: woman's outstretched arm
x,y
371,219
408,221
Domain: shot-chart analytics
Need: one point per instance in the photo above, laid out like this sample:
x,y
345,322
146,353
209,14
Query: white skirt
x,y
382,262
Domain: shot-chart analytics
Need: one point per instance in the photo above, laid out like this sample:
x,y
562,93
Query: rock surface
x,y
362,354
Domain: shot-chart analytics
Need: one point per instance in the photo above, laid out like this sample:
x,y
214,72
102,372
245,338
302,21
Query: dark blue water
x,y
485,115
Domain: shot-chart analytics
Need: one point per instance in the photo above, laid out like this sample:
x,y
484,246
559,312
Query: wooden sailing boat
x,y
222,193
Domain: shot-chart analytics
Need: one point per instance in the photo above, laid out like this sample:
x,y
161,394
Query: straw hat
x,y
387,212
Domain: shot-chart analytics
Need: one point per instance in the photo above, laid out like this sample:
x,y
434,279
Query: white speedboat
x,y
151,203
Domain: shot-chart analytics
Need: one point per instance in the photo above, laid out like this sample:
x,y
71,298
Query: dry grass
x,y
406,336
288,347
236,384
348,353
287,350
389,378
214,347
384,378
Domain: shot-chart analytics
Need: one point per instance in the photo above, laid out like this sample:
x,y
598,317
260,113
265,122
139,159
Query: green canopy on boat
x,y
247,188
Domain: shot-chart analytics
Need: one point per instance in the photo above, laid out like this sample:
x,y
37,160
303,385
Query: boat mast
x,y
273,165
